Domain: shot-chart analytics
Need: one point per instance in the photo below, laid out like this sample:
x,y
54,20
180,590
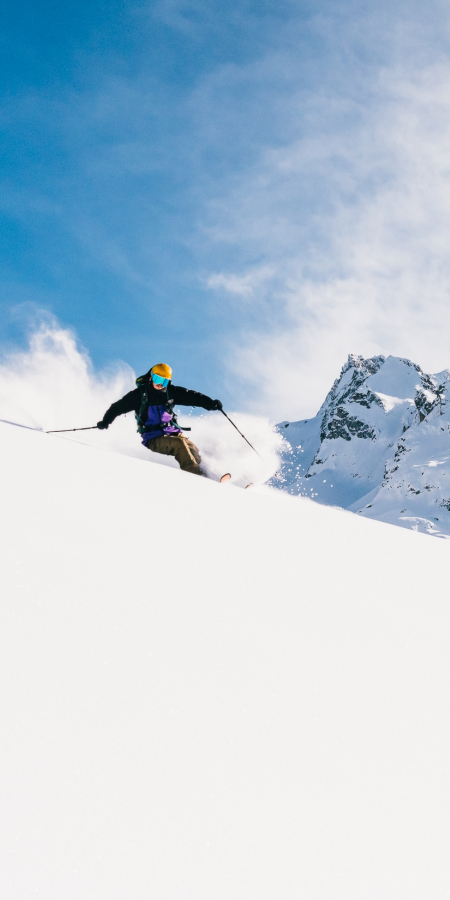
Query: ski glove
x,y
102,424
216,404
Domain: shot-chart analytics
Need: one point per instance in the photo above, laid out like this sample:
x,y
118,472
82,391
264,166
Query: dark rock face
x,y
424,402
346,426
338,422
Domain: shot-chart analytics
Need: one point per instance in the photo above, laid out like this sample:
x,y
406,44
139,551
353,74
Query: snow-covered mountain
x,y
379,445
213,694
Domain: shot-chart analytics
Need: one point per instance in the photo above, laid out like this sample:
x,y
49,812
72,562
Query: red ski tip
x,y
225,477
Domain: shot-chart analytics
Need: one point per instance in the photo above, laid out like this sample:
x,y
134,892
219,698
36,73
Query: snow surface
x,y
379,446
214,694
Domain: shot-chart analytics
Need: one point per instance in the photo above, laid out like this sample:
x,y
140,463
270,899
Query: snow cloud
x,y
53,385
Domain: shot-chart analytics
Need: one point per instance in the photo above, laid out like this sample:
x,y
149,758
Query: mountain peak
x,y
354,452
370,365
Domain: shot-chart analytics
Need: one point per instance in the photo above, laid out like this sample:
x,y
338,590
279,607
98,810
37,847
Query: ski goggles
x,y
158,379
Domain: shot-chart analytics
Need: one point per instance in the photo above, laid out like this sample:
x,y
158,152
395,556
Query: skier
x,y
153,401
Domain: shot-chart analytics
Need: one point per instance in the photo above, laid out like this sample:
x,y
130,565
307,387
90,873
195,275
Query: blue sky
x,y
249,191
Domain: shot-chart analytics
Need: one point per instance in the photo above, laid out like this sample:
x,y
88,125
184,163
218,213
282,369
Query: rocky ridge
x,y
379,445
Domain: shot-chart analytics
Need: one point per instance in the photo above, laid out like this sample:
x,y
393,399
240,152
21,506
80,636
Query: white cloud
x,y
365,270
242,285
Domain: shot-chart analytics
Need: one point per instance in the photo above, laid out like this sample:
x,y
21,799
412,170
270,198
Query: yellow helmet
x,y
163,370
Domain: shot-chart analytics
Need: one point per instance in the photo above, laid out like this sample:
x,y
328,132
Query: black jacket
x,y
132,401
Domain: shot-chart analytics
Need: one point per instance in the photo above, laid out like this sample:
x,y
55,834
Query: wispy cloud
x,y
242,285
365,267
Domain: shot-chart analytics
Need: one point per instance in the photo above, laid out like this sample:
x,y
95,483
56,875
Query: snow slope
x,y
214,693
356,452
53,385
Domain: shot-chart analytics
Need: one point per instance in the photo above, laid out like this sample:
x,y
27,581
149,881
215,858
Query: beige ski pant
x,y
179,446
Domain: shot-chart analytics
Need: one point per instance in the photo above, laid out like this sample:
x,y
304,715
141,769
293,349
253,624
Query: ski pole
x,y
240,432
61,430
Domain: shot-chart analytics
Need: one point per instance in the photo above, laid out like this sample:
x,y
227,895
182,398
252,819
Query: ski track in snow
x,y
210,693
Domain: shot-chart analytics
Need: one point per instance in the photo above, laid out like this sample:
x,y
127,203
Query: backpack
x,y
141,416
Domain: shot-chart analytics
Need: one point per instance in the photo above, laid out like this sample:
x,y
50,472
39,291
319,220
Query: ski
x,y
227,477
